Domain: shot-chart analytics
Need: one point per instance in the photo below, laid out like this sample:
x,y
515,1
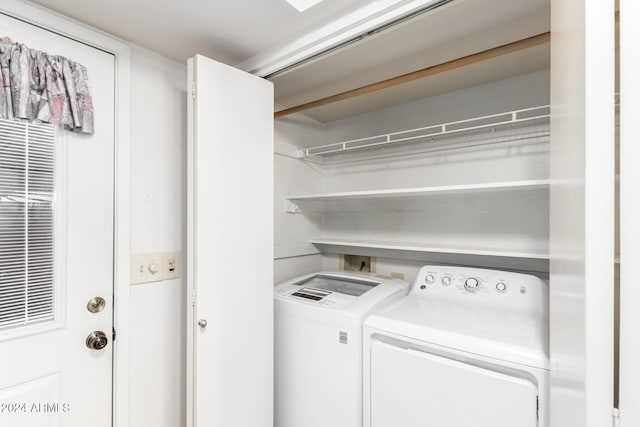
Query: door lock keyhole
x,y
96,304
97,340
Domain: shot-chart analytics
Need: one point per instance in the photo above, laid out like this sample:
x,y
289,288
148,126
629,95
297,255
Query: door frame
x,y
629,371
582,212
67,27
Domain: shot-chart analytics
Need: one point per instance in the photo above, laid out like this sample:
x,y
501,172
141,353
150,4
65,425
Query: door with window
x,y
56,254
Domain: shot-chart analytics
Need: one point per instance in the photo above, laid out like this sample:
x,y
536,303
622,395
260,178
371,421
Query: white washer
x,y
318,346
466,348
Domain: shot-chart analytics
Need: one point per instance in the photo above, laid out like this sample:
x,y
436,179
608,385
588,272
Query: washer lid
x,y
355,295
345,285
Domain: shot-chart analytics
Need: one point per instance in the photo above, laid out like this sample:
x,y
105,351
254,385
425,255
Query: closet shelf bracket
x,y
291,207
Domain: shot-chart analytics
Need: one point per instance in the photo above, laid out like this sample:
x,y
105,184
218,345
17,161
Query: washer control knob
x,y
471,284
446,280
501,287
430,278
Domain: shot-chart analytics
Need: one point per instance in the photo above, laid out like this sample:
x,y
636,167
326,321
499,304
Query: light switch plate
x,y
146,268
170,265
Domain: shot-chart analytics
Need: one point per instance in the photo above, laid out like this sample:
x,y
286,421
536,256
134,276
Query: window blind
x,y
27,192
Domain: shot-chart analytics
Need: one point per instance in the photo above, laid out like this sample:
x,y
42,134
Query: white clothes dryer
x,y
466,347
318,346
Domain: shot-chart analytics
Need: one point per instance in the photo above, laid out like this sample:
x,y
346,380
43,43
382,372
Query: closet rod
x,y
425,72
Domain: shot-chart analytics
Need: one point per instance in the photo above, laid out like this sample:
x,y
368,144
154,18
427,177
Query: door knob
x,y
97,340
202,323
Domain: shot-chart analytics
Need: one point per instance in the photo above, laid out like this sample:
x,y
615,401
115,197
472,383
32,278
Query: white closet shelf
x,y
417,247
293,201
494,123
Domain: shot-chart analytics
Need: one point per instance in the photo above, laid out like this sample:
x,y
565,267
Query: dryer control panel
x,y
482,286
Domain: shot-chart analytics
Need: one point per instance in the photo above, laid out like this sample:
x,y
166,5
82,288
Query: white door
x,y
414,389
56,188
230,248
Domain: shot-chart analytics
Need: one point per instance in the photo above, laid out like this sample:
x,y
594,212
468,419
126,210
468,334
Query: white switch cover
x,y
146,268
171,265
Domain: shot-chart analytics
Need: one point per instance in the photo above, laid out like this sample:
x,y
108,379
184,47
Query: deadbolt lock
x,y
96,304
97,340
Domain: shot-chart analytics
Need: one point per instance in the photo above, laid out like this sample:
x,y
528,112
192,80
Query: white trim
x,y
629,385
191,244
122,239
61,191
582,205
342,29
75,30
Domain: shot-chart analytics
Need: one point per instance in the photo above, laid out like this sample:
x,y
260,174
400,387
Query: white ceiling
x,y
227,30
233,31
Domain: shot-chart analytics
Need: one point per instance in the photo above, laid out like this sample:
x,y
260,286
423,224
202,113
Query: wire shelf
x,y
529,123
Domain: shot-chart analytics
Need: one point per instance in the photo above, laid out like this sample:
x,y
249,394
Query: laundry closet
x,y
482,135
453,168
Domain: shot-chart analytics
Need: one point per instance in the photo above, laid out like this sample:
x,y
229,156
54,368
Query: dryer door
x,y
410,388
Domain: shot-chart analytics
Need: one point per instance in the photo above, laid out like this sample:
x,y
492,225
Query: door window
x,y
27,218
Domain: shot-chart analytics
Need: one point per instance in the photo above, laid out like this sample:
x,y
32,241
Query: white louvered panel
x,y
13,229
41,223
27,166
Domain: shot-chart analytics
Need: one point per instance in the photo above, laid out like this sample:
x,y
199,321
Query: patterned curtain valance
x,y
49,88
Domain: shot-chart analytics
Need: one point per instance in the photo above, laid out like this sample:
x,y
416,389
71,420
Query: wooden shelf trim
x,y
425,72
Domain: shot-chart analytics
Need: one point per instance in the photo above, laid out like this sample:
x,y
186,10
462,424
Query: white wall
x,y
519,92
294,255
492,163
158,192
